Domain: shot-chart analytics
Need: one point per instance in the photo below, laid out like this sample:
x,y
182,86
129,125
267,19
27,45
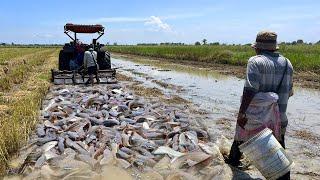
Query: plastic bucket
x,y
267,155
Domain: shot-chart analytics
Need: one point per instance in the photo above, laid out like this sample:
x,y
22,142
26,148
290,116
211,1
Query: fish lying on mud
x,y
106,125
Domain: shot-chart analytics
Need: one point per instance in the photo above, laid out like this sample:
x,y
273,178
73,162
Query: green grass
x,y
303,57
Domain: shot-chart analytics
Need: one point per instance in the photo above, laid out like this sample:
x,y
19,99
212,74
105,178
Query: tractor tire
x,y
103,60
61,60
64,60
108,59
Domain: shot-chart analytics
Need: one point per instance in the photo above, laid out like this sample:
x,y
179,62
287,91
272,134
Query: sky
x,y
155,21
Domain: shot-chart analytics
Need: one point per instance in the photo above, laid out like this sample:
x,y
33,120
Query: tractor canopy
x,y
79,28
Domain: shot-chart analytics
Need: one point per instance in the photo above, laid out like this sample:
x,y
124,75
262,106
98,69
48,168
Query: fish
x,y
123,155
182,139
175,142
50,155
87,159
107,157
154,135
205,148
61,144
41,141
192,135
49,145
99,151
123,163
135,104
48,124
75,146
125,140
110,122
40,162
73,135
104,125
148,145
168,151
145,125
159,142
146,160
40,131
144,152
127,150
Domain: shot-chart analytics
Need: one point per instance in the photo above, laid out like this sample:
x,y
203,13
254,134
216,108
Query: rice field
x,y
303,57
24,80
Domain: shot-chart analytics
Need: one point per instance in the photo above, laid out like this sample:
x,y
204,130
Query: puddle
x,y
219,94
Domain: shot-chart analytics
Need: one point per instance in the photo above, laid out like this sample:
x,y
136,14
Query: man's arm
x,y
85,59
250,89
247,97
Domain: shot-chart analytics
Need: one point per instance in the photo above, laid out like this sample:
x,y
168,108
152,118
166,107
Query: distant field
x,y
303,57
24,80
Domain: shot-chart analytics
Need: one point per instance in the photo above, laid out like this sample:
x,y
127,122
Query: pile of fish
x,y
103,125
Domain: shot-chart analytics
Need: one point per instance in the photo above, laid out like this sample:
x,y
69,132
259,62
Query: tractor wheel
x,y
108,59
61,60
103,60
64,60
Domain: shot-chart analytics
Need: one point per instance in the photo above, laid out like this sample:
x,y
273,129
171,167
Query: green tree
x,y
299,41
204,41
197,43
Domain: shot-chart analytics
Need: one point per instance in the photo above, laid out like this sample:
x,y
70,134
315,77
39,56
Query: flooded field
x,y
98,132
219,97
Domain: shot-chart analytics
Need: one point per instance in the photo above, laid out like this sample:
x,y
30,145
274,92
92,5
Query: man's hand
x,y
242,120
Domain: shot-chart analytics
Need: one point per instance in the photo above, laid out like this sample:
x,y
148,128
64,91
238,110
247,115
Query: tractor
x,y
74,51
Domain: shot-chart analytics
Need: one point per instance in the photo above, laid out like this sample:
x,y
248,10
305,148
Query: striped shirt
x,y
264,74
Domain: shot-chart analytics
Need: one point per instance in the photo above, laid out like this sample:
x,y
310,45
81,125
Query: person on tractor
x,y
91,66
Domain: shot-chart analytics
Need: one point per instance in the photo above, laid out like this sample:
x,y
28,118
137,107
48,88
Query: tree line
x,y
205,42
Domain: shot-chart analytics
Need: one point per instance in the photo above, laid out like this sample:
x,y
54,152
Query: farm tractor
x,y
74,72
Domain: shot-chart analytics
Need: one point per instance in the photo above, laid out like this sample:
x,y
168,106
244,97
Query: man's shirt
x,y
90,59
264,74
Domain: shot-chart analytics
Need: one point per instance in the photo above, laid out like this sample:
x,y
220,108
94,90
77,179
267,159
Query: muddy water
x,y
218,93
220,96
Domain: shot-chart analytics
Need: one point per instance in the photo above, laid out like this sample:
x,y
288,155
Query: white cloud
x,y
157,24
43,35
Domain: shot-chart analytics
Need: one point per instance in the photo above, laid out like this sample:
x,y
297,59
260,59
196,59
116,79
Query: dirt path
x,y
303,79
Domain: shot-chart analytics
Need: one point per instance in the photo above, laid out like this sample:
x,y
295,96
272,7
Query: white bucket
x,y
267,155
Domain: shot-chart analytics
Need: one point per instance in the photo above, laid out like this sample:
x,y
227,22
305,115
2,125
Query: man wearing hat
x,y
268,82
91,65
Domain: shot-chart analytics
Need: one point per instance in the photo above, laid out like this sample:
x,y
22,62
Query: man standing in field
x,y
91,65
268,87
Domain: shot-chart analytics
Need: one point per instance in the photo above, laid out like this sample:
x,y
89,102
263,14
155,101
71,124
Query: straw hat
x,y
266,40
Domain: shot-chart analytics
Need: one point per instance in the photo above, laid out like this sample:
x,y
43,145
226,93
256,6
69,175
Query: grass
x,y
22,90
303,57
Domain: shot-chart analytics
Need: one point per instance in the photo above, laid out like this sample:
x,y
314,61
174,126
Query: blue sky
x,y
138,21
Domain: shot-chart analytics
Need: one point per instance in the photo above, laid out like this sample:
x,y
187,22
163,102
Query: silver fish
x,y
125,140
192,135
123,155
49,145
76,146
40,131
61,144
167,150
